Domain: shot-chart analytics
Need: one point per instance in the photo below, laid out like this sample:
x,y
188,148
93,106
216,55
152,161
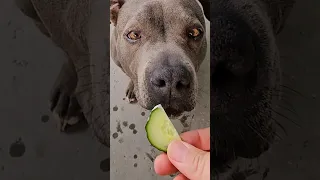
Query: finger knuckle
x,y
198,165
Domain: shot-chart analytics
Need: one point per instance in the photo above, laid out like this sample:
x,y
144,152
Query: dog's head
x,y
244,77
160,45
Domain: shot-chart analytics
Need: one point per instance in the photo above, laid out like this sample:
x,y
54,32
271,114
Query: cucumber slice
x,y
160,130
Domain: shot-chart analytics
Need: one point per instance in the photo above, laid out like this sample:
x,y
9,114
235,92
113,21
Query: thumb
x,y
189,160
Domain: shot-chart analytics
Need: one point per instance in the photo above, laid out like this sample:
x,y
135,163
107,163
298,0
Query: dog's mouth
x,y
171,112
174,111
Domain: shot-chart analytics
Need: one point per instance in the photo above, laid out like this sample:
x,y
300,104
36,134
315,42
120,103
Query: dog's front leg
x,y
63,102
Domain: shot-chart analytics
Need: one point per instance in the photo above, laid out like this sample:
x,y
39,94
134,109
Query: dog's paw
x,y
64,104
130,93
66,111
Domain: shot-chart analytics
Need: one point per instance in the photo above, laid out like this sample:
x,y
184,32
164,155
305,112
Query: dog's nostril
x,y
182,85
159,83
162,83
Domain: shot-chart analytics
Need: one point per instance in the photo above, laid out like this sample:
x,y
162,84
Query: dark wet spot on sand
x,y
125,123
45,118
132,126
17,149
120,140
143,113
135,165
20,63
150,157
115,108
135,131
119,128
105,165
123,98
135,156
115,135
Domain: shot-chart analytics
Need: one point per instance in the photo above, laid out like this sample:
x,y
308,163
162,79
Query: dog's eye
x,y
133,35
195,33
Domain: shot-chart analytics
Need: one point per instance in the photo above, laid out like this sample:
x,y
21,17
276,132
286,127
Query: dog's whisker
x,y
205,92
280,114
290,110
280,125
292,90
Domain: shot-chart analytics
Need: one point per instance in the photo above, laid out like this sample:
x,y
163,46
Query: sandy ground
x,y
31,148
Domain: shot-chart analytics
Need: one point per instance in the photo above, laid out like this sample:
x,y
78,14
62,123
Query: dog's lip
x,y
172,112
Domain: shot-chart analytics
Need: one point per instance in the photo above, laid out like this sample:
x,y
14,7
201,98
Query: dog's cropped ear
x,y
206,8
115,6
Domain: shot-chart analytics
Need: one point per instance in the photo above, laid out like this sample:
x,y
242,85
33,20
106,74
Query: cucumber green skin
x,y
148,135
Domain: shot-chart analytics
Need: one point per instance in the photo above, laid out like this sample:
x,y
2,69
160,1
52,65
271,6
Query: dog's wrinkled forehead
x,y
160,14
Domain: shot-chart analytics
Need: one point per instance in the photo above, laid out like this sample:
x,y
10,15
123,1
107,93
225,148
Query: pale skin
x,y
195,164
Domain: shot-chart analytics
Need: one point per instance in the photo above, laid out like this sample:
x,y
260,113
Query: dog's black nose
x,y
170,80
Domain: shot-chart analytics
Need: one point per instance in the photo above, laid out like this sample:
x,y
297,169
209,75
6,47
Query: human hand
x,y
191,157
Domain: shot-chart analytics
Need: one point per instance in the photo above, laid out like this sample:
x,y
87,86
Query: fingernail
x,y
177,151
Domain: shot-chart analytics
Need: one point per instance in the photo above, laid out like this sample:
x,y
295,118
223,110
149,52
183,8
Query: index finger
x,y
199,138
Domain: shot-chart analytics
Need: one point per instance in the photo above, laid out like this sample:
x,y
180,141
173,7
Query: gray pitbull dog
x,y
160,45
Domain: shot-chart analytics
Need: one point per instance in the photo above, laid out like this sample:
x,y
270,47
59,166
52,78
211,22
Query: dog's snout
x,y
170,80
